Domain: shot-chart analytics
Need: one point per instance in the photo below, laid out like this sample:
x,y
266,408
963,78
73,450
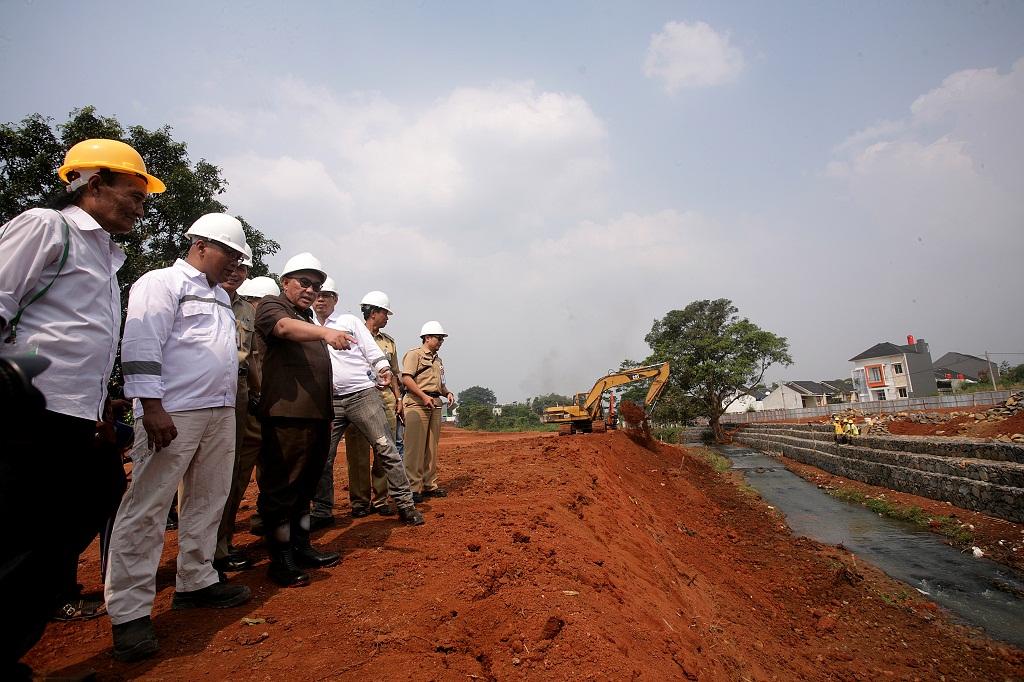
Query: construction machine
x,y
587,413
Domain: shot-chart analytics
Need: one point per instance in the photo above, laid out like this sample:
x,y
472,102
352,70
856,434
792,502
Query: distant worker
x,y
60,299
423,377
227,558
357,373
365,478
179,358
837,428
296,411
850,428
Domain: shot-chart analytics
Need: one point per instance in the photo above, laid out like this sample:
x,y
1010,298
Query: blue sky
x,y
546,179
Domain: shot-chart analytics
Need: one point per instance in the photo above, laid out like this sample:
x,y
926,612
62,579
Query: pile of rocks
x,y
1010,407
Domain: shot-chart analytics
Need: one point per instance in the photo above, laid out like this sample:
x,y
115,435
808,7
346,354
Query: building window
x,y
879,395
875,375
903,392
897,368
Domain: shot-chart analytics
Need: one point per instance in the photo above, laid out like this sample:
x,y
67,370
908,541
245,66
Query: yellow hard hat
x,y
116,156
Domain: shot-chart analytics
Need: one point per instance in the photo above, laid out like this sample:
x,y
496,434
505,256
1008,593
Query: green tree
x,y
714,353
32,150
475,416
542,402
477,395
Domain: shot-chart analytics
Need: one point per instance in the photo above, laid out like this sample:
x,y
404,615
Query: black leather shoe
x,y
283,570
215,596
318,522
307,557
384,510
135,640
360,512
417,497
436,492
410,516
236,561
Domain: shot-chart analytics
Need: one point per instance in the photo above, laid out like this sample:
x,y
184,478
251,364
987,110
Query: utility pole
x,y
991,374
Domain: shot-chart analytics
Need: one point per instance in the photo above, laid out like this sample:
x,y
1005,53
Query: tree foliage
x,y
714,353
477,395
542,402
32,150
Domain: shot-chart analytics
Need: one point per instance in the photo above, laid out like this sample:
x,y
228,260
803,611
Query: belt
x,y
433,394
243,371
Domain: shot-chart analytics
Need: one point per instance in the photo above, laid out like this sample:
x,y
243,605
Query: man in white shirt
x,y
180,363
59,298
356,373
325,303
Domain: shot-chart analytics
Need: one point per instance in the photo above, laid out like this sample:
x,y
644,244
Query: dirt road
x,y
584,557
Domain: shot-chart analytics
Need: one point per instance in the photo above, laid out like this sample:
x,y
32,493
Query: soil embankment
x,y
559,558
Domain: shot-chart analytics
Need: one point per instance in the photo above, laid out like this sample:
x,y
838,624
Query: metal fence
x,y
980,399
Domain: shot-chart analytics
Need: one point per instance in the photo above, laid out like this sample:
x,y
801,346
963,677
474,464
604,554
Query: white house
x,y
746,402
889,372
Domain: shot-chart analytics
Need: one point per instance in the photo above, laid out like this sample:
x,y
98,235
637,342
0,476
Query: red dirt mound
x,y
556,558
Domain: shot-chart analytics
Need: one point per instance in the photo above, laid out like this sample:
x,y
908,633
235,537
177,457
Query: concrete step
x,y
1003,501
1000,473
955,448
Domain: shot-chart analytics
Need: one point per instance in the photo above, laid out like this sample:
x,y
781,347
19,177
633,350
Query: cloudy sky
x,y
546,179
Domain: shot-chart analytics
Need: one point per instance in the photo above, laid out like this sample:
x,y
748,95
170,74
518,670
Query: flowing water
x,y
978,591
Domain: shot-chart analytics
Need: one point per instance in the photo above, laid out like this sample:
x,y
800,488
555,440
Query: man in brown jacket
x,y
296,409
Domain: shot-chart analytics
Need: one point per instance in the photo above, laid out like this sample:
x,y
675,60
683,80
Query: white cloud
x,y
952,169
692,55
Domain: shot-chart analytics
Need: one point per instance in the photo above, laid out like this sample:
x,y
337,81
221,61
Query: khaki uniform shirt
x,y
245,320
427,370
388,347
296,379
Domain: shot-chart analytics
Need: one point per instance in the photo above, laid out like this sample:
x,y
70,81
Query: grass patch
x,y
717,462
945,525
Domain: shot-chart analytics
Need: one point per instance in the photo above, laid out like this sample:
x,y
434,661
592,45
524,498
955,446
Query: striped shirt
x,y
179,341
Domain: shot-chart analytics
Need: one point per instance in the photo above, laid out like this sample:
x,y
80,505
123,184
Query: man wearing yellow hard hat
x,y
60,299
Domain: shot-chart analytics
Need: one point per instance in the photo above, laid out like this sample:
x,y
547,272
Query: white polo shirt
x,y
75,324
355,369
180,341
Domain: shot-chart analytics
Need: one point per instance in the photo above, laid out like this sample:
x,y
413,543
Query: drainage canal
x,y
980,592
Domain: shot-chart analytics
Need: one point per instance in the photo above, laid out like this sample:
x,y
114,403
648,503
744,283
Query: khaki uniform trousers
x,y
247,450
362,477
200,458
422,432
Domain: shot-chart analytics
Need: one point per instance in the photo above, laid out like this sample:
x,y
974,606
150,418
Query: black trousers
x,y
58,487
292,457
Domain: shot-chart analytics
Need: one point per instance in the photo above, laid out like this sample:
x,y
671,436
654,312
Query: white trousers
x,y
201,460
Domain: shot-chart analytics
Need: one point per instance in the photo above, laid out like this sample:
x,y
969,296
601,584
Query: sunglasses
x,y
308,283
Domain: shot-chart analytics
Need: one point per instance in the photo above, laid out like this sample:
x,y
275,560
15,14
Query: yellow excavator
x,y
586,414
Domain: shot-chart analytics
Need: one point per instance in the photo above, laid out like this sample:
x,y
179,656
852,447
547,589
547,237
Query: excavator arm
x,y
659,372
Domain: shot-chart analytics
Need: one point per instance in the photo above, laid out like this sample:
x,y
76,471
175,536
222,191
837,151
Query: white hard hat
x,y
245,288
221,228
378,299
247,256
259,287
303,261
329,286
432,328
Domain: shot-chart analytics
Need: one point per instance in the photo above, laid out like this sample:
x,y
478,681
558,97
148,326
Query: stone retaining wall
x,y
954,472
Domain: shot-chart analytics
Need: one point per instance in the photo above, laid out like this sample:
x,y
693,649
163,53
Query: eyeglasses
x,y
309,283
227,251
